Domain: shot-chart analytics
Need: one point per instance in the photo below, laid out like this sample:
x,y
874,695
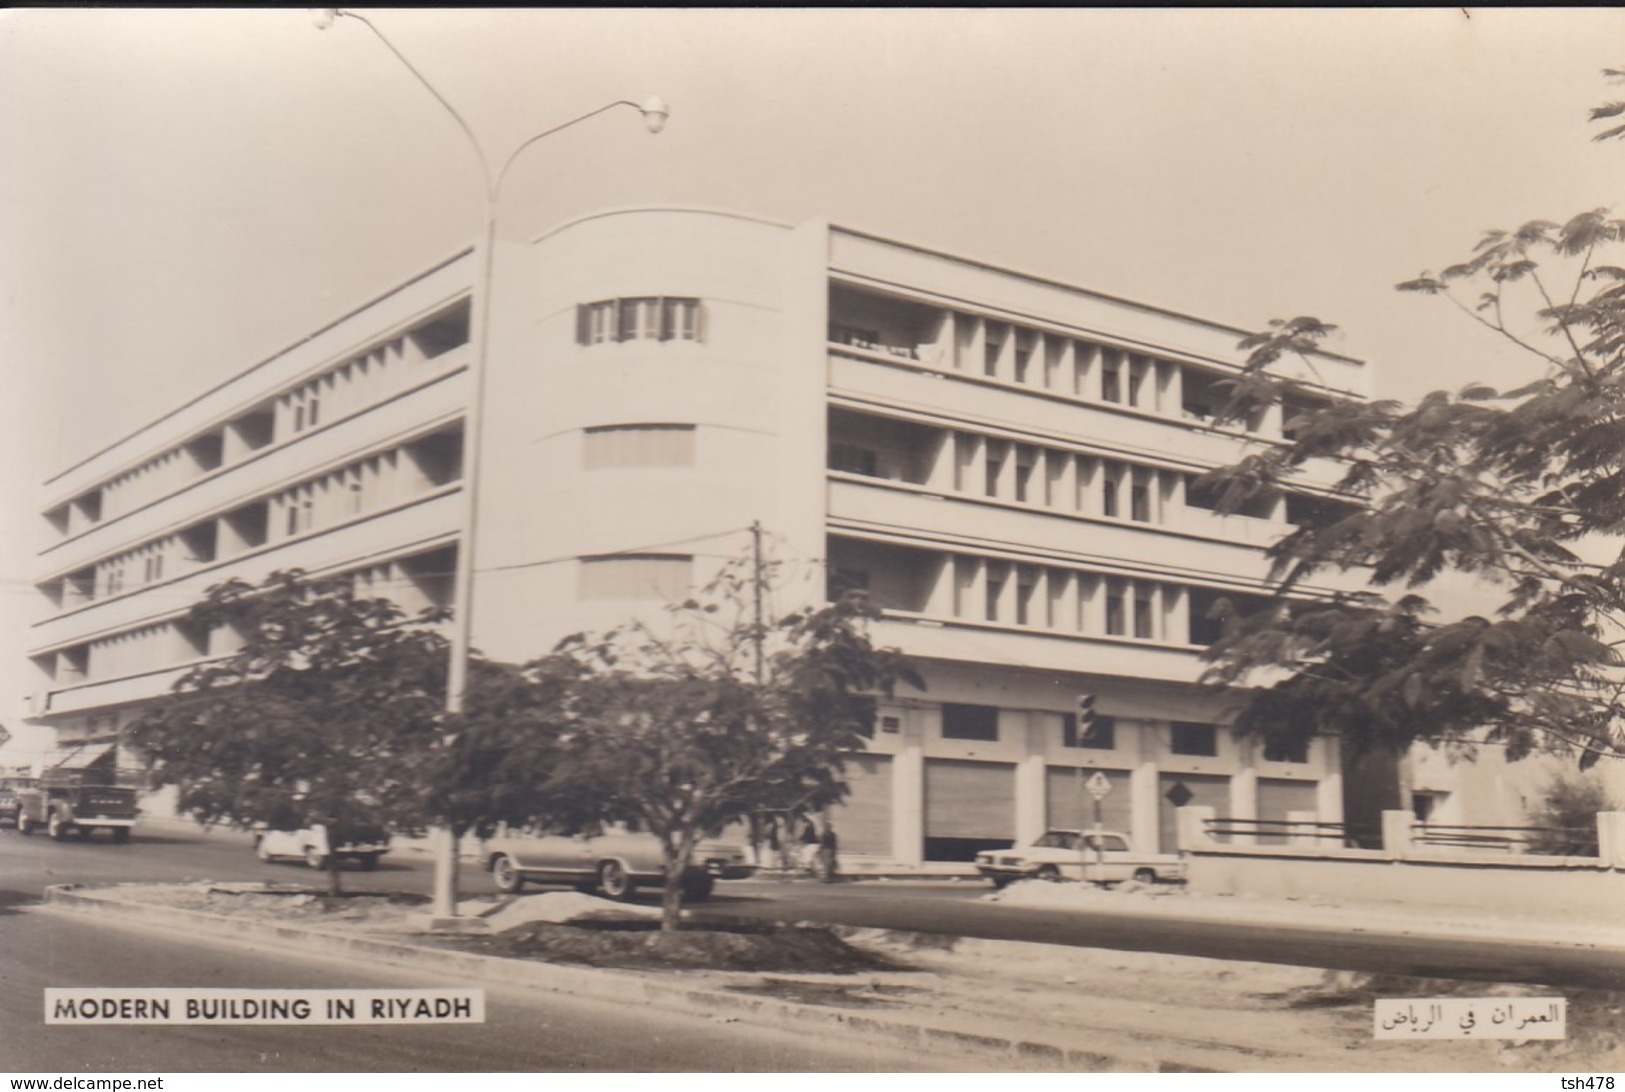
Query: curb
x,y
632,987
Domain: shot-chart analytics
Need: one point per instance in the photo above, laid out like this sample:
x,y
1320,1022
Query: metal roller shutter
x,y
1067,806
969,806
863,819
1205,791
1277,796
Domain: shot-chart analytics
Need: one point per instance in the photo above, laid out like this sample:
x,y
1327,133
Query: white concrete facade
x,y
1005,464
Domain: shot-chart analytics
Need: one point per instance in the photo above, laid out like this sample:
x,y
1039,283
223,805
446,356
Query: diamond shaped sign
x,y
1179,794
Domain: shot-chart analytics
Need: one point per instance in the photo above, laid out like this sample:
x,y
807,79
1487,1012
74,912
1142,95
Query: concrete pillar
x,y
1244,791
1171,381
908,792
1301,830
1006,606
939,600
1031,806
1086,371
1190,823
1328,795
973,594
1611,839
1058,362
1144,800
1396,834
939,474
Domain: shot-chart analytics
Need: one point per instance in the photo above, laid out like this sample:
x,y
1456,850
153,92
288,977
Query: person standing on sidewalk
x,y
827,846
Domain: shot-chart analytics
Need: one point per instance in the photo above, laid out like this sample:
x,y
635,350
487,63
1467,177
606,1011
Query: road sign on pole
x,y
1098,786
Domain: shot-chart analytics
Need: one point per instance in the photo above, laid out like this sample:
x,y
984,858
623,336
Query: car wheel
x,y
25,825
506,875
1048,873
56,828
121,835
699,888
369,861
1144,875
315,858
613,881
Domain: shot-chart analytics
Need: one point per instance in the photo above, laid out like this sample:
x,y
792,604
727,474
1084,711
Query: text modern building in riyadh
x,y
1004,462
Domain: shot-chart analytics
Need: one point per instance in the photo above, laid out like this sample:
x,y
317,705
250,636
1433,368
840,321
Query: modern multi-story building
x,y
1005,463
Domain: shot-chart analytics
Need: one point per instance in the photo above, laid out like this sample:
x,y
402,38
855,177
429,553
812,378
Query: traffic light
x,y
1086,715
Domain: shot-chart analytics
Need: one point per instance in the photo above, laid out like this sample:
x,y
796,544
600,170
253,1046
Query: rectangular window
x,y
1187,738
1100,736
1115,620
636,576
978,722
653,318
852,459
680,320
1286,750
1139,508
1143,601
1111,486
611,446
1111,380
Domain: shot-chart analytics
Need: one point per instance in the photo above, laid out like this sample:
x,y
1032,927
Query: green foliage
x,y
1519,491
1567,816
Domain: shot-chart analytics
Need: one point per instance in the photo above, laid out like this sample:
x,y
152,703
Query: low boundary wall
x,y
1583,888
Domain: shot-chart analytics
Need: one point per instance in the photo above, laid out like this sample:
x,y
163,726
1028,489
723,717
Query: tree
x,y
685,731
1565,818
1522,492
329,712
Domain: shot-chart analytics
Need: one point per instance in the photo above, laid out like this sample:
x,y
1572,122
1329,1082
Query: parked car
x,y
10,807
615,863
318,843
1075,855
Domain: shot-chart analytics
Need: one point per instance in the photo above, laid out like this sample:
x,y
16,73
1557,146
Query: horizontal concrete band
x,y
625,986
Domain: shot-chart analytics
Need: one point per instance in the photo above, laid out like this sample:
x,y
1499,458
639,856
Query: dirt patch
x,y
264,902
641,945
851,995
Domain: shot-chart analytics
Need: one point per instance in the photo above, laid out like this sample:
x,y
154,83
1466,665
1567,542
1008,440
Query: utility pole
x,y
757,580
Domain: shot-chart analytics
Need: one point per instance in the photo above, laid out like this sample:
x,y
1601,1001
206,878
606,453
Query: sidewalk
x,y
1015,1005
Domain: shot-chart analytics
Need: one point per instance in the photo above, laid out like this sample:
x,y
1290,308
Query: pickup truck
x,y
1104,856
77,801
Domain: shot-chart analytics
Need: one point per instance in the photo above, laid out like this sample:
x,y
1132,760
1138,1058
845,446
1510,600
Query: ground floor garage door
x,y
969,806
1068,805
1276,797
863,819
1187,790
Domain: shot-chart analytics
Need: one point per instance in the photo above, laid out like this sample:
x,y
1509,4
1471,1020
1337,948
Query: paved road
x,y
524,1031
28,865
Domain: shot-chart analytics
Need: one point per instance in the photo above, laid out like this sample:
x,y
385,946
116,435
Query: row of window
x,y
1051,597
980,723
639,318
1043,359
365,485
1007,470
343,389
414,583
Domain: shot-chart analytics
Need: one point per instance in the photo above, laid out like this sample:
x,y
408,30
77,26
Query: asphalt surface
x,y
28,865
524,1031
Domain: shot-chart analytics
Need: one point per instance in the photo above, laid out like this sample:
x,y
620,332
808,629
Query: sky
x,y
187,192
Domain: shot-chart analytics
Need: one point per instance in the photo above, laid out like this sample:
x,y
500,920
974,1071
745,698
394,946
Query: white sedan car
x,y
316,845
1098,856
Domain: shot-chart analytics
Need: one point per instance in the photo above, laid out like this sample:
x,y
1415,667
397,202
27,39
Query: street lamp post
x,y
654,113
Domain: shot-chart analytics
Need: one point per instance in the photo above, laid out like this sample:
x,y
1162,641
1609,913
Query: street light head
x,y
323,17
655,113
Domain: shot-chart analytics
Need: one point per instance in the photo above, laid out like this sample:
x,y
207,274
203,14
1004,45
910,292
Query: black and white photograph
x,y
800,541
